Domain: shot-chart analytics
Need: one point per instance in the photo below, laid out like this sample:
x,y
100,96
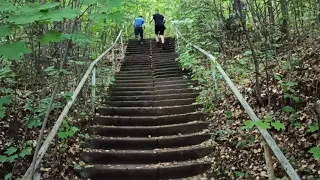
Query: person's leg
x,y
162,34
141,35
136,33
156,32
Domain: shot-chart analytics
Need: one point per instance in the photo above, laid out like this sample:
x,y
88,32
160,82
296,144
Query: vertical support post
x,y
127,33
93,89
122,47
113,60
177,37
213,71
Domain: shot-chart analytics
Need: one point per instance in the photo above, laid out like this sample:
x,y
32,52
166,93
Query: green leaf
x,y
3,159
7,6
313,128
268,118
5,100
277,77
33,122
6,90
241,174
6,72
89,2
74,129
290,84
68,96
248,124
96,17
4,31
296,99
25,152
2,112
51,71
11,151
297,125
12,159
79,38
116,16
228,113
263,125
315,152
22,19
51,36
48,5
242,143
13,51
278,125
288,109
61,14
112,3
8,176
251,138
62,135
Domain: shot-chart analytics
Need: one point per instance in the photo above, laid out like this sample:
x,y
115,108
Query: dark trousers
x,y
137,31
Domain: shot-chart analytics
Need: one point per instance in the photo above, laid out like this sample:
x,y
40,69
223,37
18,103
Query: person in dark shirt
x,y
138,28
159,26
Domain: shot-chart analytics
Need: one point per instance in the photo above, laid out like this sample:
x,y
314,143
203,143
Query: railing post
x,y
127,33
177,36
113,61
213,71
93,89
122,47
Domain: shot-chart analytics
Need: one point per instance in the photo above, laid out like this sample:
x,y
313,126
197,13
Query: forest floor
x,y
61,161
238,153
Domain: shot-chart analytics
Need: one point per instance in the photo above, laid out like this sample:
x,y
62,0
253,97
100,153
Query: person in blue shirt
x,y
138,28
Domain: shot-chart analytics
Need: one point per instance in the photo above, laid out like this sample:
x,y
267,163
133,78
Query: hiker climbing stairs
x,y
150,128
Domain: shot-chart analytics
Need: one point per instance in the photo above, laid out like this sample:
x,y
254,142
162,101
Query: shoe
x,y
141,42
158,44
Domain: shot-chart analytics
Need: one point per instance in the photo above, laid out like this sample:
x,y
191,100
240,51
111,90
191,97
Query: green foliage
x,y
79,38
12,153
4,31
242,174
248,140
288,109
315,152
13,51
68,96
248,124
37,112
7,6
5,100
266,123
66,131
278,125
288,88
263,124
8,176
313,128
50,36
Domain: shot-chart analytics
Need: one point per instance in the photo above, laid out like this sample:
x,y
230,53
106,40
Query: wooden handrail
x,y
65,110
267,137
